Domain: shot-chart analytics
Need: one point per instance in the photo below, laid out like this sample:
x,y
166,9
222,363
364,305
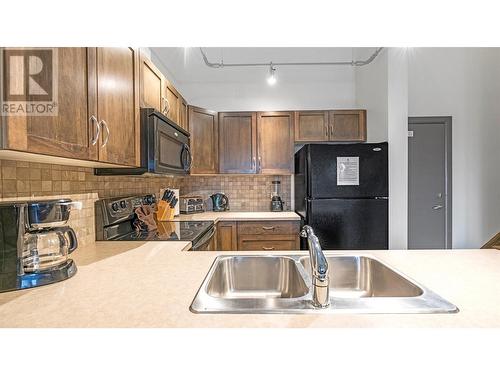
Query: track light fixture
x,y
271,80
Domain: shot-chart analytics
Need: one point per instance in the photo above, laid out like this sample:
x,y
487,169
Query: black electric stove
x,y
171,231
115,222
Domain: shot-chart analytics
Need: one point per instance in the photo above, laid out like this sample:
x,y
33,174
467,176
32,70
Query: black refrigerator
x,y
341,191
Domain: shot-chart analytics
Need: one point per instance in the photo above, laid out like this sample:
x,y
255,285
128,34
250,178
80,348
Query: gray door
x,y
429,183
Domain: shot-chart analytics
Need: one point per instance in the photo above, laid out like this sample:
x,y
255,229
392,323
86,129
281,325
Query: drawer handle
x,y
268,228
267,248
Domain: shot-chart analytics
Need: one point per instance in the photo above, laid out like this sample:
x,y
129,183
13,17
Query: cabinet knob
x,y
267,248
268,228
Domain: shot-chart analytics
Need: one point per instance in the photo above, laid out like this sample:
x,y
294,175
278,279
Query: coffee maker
x,y
35,243
276,202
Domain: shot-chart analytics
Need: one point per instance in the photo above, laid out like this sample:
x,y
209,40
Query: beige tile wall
x,y
20,179
245,193
25,180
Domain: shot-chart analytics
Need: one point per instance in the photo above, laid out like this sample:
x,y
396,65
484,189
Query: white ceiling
x,y
245,88
186,64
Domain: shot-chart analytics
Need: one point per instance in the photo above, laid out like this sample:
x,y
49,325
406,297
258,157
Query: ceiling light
x,y
271,80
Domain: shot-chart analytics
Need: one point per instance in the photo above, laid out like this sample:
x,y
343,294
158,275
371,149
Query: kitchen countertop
x,y
152,284
239,216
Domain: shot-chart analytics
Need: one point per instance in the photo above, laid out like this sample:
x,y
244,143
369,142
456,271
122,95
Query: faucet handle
x,y
306,231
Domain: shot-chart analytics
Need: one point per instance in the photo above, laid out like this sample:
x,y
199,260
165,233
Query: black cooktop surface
x,y
171,231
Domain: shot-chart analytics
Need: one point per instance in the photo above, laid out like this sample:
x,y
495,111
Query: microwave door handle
x,y
190,158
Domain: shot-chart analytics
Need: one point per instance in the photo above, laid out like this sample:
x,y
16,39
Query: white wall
x,y
397,131
371,92
382,88
465,83
246,89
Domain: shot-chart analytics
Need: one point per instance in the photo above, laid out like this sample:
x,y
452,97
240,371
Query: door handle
x,y
437,207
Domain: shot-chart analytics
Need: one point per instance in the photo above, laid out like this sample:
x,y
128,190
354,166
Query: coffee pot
x,y
35,243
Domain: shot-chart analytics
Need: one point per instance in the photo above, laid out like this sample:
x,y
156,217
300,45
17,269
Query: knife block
x,y
164,212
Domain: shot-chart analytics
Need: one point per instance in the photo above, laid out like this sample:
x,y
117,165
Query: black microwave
x,y
164,148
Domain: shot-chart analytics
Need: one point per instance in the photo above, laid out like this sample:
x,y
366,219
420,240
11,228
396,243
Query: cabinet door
x,y
118,105
183,114
311,126
173,102
151,85
70,133
237,142
227,236
203,126
275,142
348,125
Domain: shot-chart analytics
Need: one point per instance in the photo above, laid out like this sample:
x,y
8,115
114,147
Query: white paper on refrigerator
x,y
348,170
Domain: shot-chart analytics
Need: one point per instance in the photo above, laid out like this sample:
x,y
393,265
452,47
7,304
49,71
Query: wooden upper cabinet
x,y
311,126
238,142
183,114
347,125
203,127
173,102
275,136
70,133
118,105
151,85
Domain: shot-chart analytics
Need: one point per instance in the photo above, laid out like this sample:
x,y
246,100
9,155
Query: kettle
x,y
220,202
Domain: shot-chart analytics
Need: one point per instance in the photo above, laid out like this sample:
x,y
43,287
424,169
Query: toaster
x,y
190,204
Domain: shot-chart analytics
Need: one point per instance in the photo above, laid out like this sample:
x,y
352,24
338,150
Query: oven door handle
x,y
205,239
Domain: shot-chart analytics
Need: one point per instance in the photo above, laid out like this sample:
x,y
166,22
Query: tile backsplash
x,y
245,193
21,179
26,179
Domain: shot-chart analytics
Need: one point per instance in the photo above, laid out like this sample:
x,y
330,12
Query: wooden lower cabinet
x,y
227,236
258,235
255,242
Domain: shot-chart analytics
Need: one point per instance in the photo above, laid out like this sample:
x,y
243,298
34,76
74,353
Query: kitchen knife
x,y
170,196
173,202
165,194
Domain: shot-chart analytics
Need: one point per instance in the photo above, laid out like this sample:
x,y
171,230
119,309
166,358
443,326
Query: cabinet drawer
x,y
269,227
269,243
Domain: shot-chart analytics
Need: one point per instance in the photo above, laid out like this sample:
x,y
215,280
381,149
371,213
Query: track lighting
x,y
271,80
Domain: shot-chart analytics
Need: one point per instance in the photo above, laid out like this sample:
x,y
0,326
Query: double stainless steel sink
x,y
281,284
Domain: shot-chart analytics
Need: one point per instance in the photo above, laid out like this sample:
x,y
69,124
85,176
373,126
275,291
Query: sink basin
x,y
257,277
362,277
269,284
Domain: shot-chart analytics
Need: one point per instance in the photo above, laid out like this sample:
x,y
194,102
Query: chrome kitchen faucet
x,y
319,269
